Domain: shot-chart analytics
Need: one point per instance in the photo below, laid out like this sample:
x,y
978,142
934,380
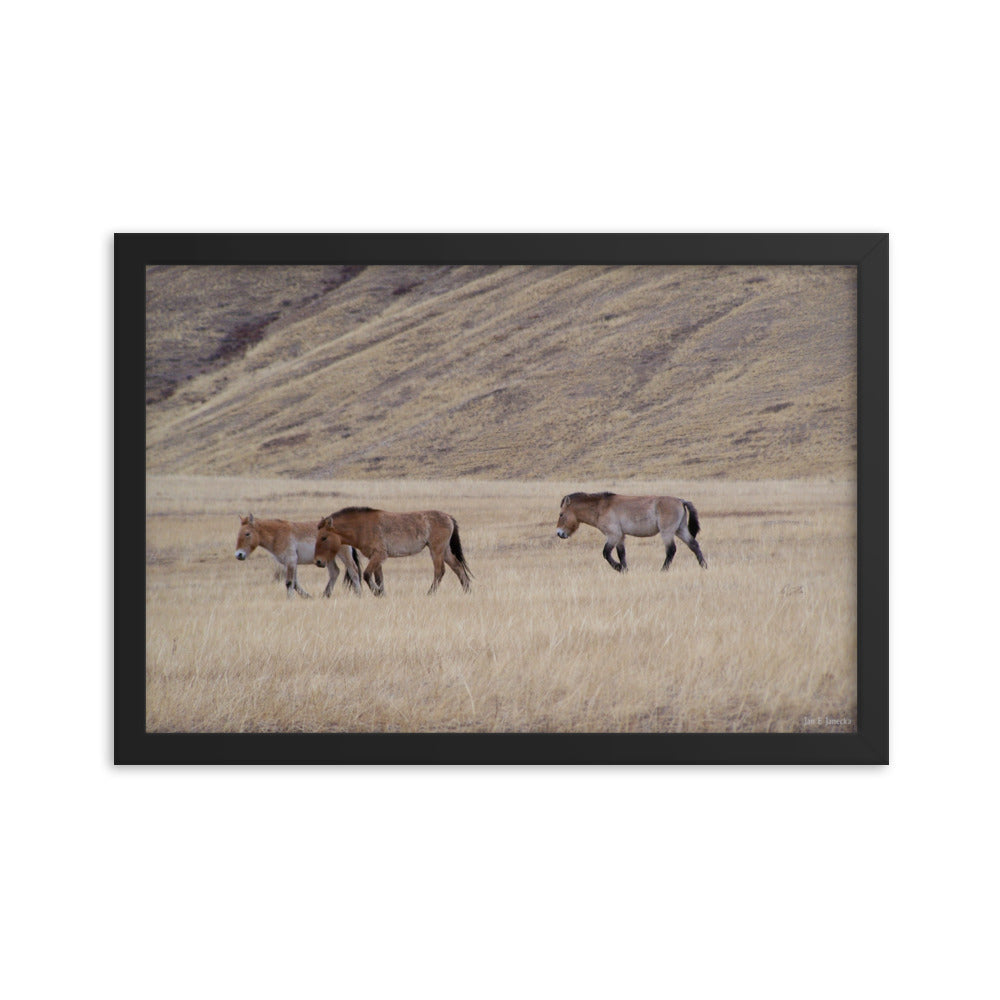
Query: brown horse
x,y
380,535
618,516
291,543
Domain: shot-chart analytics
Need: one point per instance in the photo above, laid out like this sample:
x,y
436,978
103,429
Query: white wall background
x,y
448,882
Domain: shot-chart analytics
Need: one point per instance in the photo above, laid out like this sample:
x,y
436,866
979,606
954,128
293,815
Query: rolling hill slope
x,y
580,372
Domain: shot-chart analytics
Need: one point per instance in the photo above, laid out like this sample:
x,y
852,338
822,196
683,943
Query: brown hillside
x,y
580,372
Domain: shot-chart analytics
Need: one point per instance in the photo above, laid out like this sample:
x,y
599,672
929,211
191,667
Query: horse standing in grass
x,y
618,516
294,542
381,535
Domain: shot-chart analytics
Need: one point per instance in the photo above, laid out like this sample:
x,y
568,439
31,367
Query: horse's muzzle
x,y
561,532
241,556
321,563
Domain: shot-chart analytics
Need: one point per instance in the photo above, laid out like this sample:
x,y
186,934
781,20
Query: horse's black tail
x,y
456,546
694,525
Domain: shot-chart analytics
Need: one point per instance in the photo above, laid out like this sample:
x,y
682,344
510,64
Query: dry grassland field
x,y
490,393
548,640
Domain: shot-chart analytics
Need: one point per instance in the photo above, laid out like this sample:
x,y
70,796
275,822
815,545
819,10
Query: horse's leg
x,y
671,546
437,557
292,578
351,576
620,549
613,542
373,573
685,536
333,572
463,577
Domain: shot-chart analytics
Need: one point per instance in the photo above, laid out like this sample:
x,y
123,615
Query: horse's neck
x,y
267,531
587,514
348,535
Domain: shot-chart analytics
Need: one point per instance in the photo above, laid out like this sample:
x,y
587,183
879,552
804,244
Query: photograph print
x,y
501,498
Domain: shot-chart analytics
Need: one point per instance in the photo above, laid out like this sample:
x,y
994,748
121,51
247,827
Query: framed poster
x,y
502,498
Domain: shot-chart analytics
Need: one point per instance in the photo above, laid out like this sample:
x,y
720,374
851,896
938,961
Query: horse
x,y
381,535
618,516
294,542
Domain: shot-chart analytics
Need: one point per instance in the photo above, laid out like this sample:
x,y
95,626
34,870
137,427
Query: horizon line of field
x,y
351,488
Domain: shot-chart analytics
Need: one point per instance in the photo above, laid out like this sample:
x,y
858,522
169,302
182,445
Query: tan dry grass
x,y
549,640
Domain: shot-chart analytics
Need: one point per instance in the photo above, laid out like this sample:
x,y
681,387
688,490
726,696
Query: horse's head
x,y
327,542
568,522
248,537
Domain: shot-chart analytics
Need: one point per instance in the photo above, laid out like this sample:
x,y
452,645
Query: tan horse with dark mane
x,y
618,516
292,543
381,535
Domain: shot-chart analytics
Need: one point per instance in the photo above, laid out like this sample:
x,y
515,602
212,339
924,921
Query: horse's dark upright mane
x,y
353,510
578,497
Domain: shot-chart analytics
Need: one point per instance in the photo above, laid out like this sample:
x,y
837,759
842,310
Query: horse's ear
x,y
564,501
249,518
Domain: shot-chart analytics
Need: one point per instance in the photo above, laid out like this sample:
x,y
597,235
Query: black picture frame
x,y
133,252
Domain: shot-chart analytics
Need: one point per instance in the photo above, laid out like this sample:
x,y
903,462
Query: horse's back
x,y
643,516
439,519
405,534
633,515
670,508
